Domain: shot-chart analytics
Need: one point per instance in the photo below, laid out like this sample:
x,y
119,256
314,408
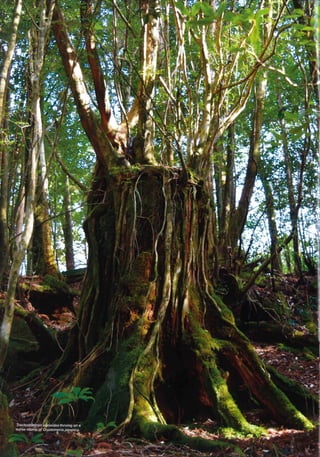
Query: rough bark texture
x,y
154,340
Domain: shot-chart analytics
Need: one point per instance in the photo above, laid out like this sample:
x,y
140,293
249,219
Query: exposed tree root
x,y
154,431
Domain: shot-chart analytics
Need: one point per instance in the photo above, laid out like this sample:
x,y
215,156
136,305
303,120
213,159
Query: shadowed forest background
x,y
158,221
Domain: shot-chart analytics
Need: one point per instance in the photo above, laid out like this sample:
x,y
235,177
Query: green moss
x,y
312,327
231,433
206,348
112,399
21,338
204,341
58,285
290,415
225,312
305,351
297,393
309,354
38,287
137,280
152,431
6,429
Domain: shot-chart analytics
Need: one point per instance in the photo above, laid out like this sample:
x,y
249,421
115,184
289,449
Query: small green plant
x,y
106,427
71,397
23,438
73,453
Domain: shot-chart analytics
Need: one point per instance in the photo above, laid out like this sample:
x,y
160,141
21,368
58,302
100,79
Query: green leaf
x,y
18,438
37,438
76,391
201,21
111,425
73,452
66,401
86,390
182,8
98,26
207,10
63,397
76,394
221,9
83,394
195,9
261,13
58,394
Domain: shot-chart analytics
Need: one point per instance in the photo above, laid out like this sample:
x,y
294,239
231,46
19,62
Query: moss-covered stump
x,y
48,295
31,345
154,341
7,449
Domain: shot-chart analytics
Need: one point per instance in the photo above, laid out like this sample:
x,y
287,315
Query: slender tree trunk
x,y
67,227
227,203
4,190
143,142
238,220
37,39
4,167
273,230
293,204
42,247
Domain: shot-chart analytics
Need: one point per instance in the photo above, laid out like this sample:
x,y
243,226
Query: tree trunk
x,y
271,216
226,196
154,340
238,220
4,142
37,41
46,258
67,227
294,205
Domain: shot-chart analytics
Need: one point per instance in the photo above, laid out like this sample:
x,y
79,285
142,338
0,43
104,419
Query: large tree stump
x,y
154,341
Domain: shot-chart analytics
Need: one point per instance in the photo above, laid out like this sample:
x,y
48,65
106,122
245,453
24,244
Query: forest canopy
x,y
215,63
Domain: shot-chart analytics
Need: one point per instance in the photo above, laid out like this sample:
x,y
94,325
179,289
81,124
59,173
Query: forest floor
x,y
296,365
278,441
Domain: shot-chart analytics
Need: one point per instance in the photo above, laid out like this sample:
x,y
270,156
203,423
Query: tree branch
x,y
102,146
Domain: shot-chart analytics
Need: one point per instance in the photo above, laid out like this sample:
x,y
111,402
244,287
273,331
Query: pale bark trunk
x,y
225,185
42,237
5,69
271,216
237,222
4,79
37,40
107,154
144,140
